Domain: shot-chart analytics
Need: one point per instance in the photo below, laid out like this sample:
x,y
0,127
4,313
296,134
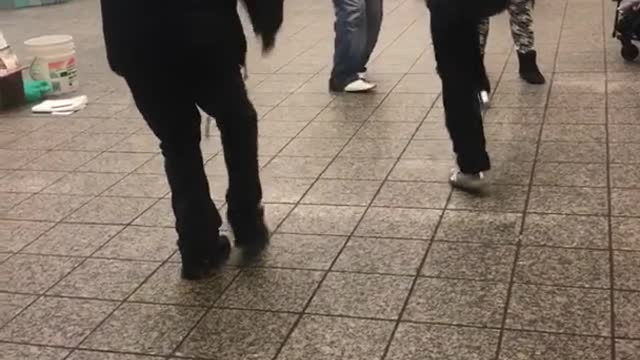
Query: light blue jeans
x,y
357,28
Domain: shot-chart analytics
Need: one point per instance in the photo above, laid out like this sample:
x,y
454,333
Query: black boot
x,y
529,70
201,260
249,229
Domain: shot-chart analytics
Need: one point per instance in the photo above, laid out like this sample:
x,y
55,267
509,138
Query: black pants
x,y
455,40
169,99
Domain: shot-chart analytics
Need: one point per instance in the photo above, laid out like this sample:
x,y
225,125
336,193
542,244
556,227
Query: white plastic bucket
x,y
54,61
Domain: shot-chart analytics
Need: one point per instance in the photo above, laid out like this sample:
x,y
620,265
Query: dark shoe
x,y
249,229
200,262
529,70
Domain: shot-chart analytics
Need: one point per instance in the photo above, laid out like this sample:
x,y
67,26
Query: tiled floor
x,y
373,256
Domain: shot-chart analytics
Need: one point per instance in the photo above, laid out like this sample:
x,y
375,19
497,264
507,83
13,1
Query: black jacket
x,y
142,33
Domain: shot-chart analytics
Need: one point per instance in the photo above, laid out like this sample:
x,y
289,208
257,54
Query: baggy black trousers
x,y
168,99
454,31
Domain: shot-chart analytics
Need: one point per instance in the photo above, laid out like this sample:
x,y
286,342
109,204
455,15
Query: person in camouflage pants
x,y
523,38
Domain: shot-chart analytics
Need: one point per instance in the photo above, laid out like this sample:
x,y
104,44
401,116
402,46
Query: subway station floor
x,y
373,256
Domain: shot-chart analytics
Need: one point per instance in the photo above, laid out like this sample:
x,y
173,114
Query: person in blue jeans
x,y
357,27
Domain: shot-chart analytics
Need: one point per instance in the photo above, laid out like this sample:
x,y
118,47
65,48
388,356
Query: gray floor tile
x,y
314,147
570,174
12,304
116,162
627,349
344,114
537,346
34,273
459,302
387,256
326,220
164,327
238,335
625,176
56,321
342,192
154,186
434,342
104,279
28,181
411,194
623,115
15,235
428,150
28,352
470,261
567,200
624,202
61,160
479,227
512,132
399,223
143,143
512,151
361,295
96,355
626,270
566,310
9,200
510,173
271,289
400,114
625,233
572,152
86,239
576,116
91,142
292,113
566,231
16,159
522,115
499,198
140,243
166,287
563,267
296,167
83,184
47,207
359,168
422,170
624,133
574,133
301,251
159,215
624,153
326,338
387,130
626,314
361,147
111,210
329,129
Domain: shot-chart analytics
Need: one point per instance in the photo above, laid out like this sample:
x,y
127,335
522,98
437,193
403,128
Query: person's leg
x,y
374,10
523,38
238,124
349,43
457,50
175,120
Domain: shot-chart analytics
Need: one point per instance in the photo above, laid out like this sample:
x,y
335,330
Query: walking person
x,y
357,27
521,22
201,70
454,31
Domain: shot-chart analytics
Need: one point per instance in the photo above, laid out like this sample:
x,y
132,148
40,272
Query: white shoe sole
x,y
359,88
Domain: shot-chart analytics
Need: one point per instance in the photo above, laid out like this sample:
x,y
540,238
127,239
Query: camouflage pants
x,y
521,26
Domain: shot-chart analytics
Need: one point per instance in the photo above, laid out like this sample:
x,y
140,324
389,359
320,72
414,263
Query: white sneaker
x,y
359,86
362,75
467,182
484,98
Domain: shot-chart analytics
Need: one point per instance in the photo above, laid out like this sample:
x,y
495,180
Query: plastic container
x,y
54,61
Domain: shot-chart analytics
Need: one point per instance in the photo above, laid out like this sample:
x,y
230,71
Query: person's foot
x,y
529,70
356,86
200,262
467,182
363,75
249,229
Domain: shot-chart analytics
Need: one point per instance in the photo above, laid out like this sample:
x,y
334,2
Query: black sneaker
x,y
200,262
249,229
